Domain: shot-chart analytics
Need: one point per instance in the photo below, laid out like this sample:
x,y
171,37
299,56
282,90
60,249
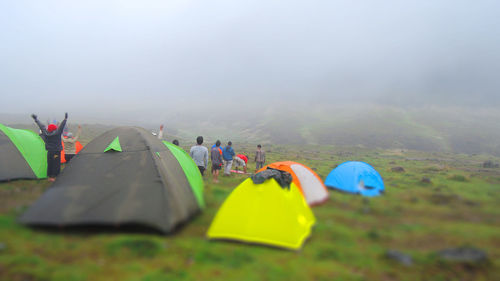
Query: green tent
x,y
23,154
125,176
190,169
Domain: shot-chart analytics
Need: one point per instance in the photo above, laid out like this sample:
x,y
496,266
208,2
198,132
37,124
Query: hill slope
x,y
471,131
426,129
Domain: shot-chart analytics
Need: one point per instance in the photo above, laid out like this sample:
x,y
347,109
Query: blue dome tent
x,y
356,177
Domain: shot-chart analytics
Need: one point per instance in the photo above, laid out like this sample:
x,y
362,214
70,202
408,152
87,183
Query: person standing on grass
x,y
260,158
227,155
70,144
216,159
199,154
220,149
52,138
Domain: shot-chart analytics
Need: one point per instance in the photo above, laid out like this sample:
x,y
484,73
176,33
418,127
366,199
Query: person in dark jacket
x,y
217,162
260,158
52,138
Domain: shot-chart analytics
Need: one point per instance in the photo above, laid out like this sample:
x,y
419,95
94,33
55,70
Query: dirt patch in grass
x,y
138,247
459,178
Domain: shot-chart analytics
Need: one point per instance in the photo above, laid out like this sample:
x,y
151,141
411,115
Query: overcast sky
x,y
131,57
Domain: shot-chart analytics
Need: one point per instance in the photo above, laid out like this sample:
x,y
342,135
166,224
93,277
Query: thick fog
x,y
128,59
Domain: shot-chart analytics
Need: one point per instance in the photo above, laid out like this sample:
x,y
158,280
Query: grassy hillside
x,y
459,207
471,131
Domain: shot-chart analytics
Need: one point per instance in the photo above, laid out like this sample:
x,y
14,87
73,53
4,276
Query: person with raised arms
x,y
52,138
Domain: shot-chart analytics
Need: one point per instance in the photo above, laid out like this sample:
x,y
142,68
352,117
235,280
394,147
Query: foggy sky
x,y
136,57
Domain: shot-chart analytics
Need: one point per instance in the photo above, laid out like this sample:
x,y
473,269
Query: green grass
x,y
459,207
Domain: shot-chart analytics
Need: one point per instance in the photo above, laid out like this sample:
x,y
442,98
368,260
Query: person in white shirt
x,y
199,154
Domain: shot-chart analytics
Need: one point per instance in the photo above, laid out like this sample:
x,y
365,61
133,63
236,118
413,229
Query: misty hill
x,y
471,131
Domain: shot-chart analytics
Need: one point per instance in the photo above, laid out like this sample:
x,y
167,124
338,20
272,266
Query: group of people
x,y
52,134
222,157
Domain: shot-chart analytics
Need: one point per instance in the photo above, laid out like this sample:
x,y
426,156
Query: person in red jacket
x,y
241,160
243,157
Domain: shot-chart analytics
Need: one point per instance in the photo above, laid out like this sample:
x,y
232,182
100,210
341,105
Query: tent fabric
x,y
305,178
190,169
356,177
114,145
264,214
78,147
143,184
23,154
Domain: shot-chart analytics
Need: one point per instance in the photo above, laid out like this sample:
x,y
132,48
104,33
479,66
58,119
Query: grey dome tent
x,y
124,176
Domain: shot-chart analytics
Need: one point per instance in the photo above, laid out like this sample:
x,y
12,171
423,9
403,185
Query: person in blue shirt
x,y
227,155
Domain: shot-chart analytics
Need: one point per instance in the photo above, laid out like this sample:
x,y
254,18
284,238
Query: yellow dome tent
x,y
264,213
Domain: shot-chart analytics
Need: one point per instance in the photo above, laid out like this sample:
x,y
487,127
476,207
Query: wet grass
x,y
459,207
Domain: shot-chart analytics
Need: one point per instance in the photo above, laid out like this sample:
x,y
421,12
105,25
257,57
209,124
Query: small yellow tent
x,y
264,213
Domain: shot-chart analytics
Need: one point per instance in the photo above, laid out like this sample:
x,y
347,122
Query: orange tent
x,y
78,147
307,180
